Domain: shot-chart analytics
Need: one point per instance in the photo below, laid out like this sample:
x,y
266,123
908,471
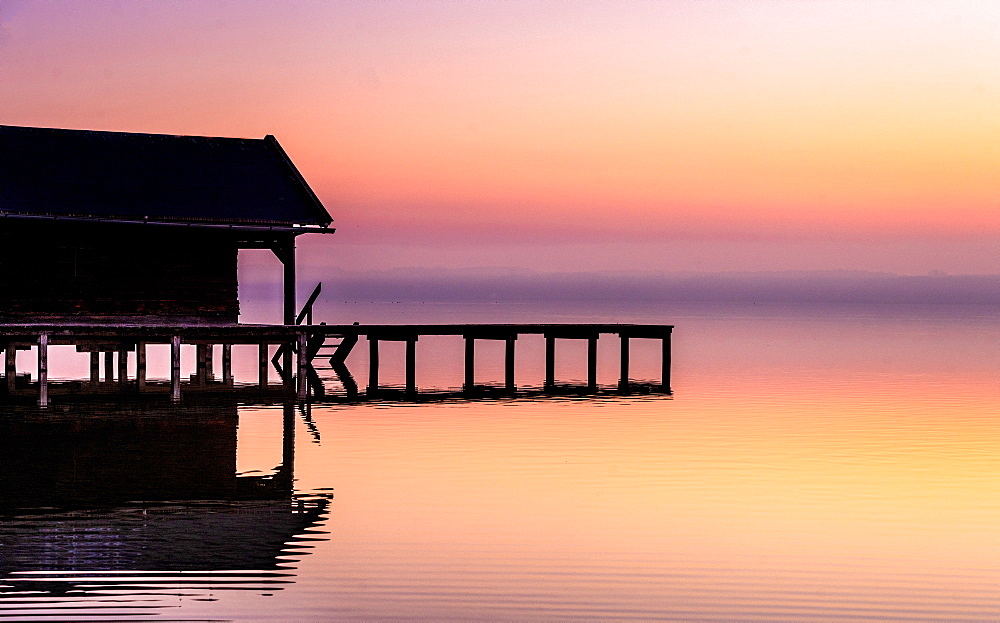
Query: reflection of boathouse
x,y
112,454
143,488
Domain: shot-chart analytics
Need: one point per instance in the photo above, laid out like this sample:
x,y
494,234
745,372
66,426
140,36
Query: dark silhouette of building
x,y
115,226
143,487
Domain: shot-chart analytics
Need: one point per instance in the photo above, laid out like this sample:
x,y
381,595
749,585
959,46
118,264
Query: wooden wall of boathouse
x,y
54,270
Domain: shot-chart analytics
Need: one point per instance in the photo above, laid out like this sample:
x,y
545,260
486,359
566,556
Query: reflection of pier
x,y
308,343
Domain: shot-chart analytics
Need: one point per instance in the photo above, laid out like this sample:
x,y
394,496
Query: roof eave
x,y
234,227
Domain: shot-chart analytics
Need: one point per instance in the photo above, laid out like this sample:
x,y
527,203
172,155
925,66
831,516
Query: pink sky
x,y
553,135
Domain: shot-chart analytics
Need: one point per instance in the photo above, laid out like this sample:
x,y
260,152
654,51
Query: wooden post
x,y
201,363
209,362
10,367
509,365
175,368
372,365
301,361
95,367
109,366
122,365
262,365
665,377
43,370
411,366
550,362
592,363
285,251
288,374
470,364
289,284
623,381
140,365
227,365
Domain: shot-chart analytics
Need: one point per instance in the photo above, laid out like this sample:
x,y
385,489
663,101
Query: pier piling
x,y
411,367
95,368
470,364
623,379
509,385
227,365
262,360
550,362
372,365
140,366
175,368
302,363
109,366
592,363
43,370
10,367
122,365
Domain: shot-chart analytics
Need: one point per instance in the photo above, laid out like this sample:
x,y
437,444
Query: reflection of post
x,y
109,366
175,368
43,370
284,477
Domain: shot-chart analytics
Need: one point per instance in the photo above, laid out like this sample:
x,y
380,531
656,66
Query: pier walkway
x,y
299,346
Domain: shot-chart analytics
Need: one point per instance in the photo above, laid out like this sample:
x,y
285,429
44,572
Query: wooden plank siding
x,y
81,272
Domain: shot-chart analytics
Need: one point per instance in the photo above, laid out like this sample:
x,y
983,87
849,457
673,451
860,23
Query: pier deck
x,y
304,344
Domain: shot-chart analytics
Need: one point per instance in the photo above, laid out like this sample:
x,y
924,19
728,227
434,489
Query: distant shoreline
x,y
778,287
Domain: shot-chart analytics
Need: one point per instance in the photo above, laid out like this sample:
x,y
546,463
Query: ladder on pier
x,y
317,347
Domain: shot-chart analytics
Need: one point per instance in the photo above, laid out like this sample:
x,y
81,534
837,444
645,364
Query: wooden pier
x,y
298,348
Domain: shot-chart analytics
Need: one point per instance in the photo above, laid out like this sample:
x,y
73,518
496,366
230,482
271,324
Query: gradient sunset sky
x,y
667,136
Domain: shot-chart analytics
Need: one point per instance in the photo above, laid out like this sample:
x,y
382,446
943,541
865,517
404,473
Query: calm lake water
x,y
812,464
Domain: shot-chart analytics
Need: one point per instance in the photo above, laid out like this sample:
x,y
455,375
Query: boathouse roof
x,y
237,183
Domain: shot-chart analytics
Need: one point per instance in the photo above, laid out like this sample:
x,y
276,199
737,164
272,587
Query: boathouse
x,y
121,227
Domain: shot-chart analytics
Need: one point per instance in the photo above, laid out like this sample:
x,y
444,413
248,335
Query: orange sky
x,y
550,135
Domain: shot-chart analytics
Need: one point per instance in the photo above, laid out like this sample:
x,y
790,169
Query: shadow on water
x,y
102,503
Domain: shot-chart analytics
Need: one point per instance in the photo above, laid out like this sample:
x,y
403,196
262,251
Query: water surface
x,y
812,464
